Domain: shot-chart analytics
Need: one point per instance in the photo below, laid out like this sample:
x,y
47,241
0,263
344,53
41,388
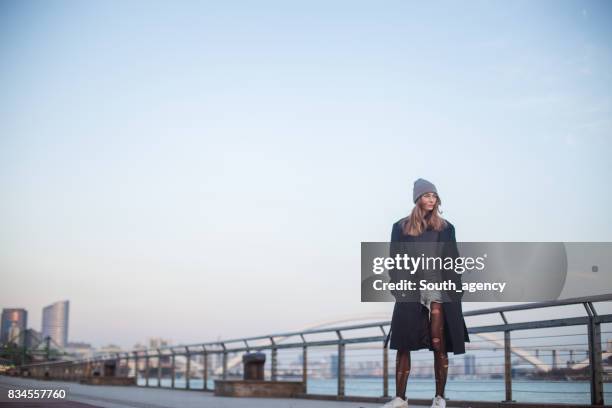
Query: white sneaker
x,y
438,402
396,402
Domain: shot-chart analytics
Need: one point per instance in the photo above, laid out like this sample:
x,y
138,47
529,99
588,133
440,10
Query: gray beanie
x,y
422,186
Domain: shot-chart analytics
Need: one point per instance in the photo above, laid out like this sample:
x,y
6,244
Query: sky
x,y
205,170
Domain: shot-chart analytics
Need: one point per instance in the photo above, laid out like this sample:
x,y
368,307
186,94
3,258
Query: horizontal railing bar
x,y
538,305
541,324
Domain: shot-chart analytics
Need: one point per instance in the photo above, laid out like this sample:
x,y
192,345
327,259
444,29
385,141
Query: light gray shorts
x,y
428,296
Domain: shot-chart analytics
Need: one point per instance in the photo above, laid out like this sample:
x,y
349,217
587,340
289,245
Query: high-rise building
x,y
55,322
13,325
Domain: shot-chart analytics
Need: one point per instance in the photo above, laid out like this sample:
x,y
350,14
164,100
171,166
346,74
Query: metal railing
x,y
592,320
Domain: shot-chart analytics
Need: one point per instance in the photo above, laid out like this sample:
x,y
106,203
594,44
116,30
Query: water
x,y
576,392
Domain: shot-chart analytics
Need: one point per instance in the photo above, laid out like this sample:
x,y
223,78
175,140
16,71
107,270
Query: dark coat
x,y
410,327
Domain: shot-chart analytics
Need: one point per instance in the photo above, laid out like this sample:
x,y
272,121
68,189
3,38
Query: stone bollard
x,y
254,366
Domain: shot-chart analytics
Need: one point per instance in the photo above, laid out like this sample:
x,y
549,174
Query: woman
x,y
430,319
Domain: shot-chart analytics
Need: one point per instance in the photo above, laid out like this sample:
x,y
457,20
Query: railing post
x,y
594,330
224,361
159,368
173,369
126,356
127,363
188,366
507,361
136,366
274,357
117,362
146,368
304,364
205,368
508,366
340,364
385,365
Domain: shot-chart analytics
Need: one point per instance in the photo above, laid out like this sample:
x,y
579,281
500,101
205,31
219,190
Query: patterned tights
x,y
402,360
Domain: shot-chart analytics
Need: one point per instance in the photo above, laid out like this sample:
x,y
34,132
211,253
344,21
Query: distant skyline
x,y
198,170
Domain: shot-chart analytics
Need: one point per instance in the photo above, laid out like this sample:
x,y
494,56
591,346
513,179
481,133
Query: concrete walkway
x,y
138,397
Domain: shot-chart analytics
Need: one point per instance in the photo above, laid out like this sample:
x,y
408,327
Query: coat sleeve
x,y
451,250
395,233
394,274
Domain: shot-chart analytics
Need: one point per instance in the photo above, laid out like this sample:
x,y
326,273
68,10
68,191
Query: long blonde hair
x,y
418,221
